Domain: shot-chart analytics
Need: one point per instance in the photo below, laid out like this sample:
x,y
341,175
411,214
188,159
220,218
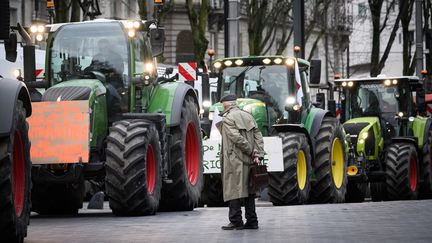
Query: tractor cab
x,y
390,100
273,89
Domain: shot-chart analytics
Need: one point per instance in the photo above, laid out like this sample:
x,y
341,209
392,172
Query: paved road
x,y
400,221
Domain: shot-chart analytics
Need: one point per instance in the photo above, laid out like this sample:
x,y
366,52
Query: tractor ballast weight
x,y
145,147
390,141
304,145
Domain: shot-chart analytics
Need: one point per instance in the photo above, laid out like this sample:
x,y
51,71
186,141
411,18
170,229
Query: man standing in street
x,y
242,145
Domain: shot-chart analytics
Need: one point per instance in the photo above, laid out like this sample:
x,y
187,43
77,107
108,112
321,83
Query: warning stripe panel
x,y
187,71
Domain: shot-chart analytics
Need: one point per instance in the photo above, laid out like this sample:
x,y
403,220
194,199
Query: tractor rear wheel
x,y
133,168
15,182
212,194
402,172
330,163
426,168
292,186
186,162
356,192
51,198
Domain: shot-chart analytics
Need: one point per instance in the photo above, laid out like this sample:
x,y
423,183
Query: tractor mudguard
x,y
313,127
168,98
295,128
10,92
412,140
428,127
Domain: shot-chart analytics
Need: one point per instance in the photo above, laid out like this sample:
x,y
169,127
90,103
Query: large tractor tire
x,y
426,168
56,199
15,182
186,162
402,174
133,168
330,163
356,192
212,194
292,186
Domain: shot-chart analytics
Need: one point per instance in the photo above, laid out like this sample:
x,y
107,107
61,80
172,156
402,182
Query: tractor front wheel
x,y
292,186
133,168
15,179
186,162
330,163
402,174
426,186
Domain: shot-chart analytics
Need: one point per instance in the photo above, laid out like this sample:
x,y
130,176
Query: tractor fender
x,y
180,94
10,92
411,140
316,124
168,98
299,128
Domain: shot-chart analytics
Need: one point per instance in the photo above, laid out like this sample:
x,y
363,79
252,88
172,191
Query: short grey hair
x,y
231,102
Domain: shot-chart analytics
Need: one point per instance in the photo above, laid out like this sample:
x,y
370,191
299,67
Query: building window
x,y
362,10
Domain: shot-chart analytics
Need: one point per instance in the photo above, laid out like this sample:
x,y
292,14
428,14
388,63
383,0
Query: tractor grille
x,y
66,93
353,129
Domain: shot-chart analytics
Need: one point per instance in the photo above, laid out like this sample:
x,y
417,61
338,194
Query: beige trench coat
x,y
240,136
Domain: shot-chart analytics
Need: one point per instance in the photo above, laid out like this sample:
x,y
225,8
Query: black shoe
x,y
250,226
232,226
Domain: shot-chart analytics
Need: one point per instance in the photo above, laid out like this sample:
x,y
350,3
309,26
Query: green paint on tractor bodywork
x,y
255,107
97,104
418,127
373,127
162,100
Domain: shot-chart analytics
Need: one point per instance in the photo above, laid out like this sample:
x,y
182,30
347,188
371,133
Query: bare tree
x,y
198,22
377,62
406,9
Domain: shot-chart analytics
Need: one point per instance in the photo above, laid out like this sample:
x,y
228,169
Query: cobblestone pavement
x,y
399,221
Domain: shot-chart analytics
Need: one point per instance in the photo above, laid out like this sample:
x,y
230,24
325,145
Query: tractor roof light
x,y
394,81
228,63
411,118
290,61
277,61
131,33
238,62
33,29
136,24
344,84
387,82
266,61
39,37
129,25
400,114
217,65
350,83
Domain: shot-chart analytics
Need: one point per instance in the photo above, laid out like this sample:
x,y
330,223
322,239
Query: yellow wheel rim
x,y
337,157
301,170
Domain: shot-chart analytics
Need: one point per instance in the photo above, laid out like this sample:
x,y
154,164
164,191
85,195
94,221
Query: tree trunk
x,y
198,26
375,7
406,7
75,11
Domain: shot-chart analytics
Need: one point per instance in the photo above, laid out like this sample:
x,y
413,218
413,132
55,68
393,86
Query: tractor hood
x,y
256,107
364,133
82,89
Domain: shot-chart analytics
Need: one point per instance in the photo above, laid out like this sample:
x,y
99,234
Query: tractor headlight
x,y
290,100
206,103
17,73
364,135
361,141
239,62
217,65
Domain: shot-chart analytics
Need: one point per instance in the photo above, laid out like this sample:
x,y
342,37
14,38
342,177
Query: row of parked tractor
x,y
119,128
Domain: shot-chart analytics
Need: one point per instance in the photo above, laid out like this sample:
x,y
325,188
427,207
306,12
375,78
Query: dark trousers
x,y
235,213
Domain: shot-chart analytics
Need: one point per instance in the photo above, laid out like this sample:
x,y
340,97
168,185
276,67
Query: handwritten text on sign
x,y
273,157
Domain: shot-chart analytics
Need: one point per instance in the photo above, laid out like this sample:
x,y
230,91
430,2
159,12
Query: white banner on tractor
x,y
187,71
273,157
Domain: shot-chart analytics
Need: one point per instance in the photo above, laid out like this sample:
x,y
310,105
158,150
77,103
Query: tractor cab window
x,y
267,83
142,54
89,51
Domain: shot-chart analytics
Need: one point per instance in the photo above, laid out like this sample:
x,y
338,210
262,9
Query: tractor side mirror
x,y
315,72
157,41
10,46
169,70
320,100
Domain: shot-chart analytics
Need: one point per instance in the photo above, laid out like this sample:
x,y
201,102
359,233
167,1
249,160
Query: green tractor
x,y
305,146
105,117
390,140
